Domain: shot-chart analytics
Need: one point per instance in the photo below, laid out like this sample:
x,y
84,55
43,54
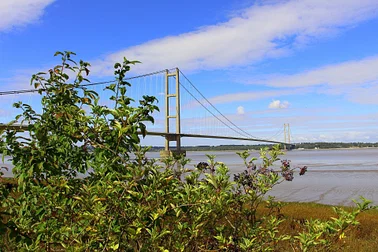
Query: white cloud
x,y
305,124
253,95
240,110
19,81
346,73
258,32
339,136
357,80
15,13
277,104
363,94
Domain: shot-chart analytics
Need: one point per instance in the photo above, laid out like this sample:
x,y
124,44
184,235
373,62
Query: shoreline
x,y
334,176
299,149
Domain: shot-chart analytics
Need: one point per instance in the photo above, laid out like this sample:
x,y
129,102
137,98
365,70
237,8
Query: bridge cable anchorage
x,y
244,132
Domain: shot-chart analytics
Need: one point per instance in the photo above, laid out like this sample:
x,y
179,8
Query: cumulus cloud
x,y
20,12
277,104
258,32
240,110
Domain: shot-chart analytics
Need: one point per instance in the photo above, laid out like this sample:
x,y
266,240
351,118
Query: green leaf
x,y
58,53
115,246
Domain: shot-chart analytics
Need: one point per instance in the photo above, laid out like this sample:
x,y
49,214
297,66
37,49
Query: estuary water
x,y
334,176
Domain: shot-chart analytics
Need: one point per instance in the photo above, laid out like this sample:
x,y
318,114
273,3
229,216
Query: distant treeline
x,y
326,145
315,145
218,147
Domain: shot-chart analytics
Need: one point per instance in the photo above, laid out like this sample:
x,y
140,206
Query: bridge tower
x,y
287,137
287,133
172,95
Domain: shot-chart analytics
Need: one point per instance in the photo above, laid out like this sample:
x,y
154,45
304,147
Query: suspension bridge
x,y
183,110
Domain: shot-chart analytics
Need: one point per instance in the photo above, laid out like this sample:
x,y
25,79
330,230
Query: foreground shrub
x,y
126,203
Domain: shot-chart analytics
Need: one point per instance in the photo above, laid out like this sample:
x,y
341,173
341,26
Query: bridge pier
x,y
168,152
172,153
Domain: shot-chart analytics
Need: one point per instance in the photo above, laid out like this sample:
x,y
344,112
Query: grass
x,y
363,237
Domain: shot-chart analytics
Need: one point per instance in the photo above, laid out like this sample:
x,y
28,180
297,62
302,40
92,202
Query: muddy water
x,y
334,177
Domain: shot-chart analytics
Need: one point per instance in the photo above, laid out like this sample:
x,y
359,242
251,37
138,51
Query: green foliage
x,y
128,202
320,234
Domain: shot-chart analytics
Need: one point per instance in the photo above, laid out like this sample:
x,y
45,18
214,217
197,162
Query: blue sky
x,y
310,63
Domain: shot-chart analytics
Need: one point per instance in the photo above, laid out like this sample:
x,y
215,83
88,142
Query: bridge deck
x,y
163,134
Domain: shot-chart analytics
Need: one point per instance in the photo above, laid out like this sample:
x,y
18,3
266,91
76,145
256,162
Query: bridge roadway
x,y
163,134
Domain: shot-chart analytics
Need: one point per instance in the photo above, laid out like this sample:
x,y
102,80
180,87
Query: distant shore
x,y
298,146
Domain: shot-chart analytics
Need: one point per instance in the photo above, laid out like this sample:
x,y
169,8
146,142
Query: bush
x,y
132,204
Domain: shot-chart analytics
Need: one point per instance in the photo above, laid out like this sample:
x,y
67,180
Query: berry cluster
x,y
245,179
288,175
202,166
303,170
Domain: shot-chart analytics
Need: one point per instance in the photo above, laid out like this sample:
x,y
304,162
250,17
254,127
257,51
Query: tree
x,y
128,203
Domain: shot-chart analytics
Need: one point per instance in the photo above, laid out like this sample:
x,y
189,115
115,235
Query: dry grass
x,y
363,237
